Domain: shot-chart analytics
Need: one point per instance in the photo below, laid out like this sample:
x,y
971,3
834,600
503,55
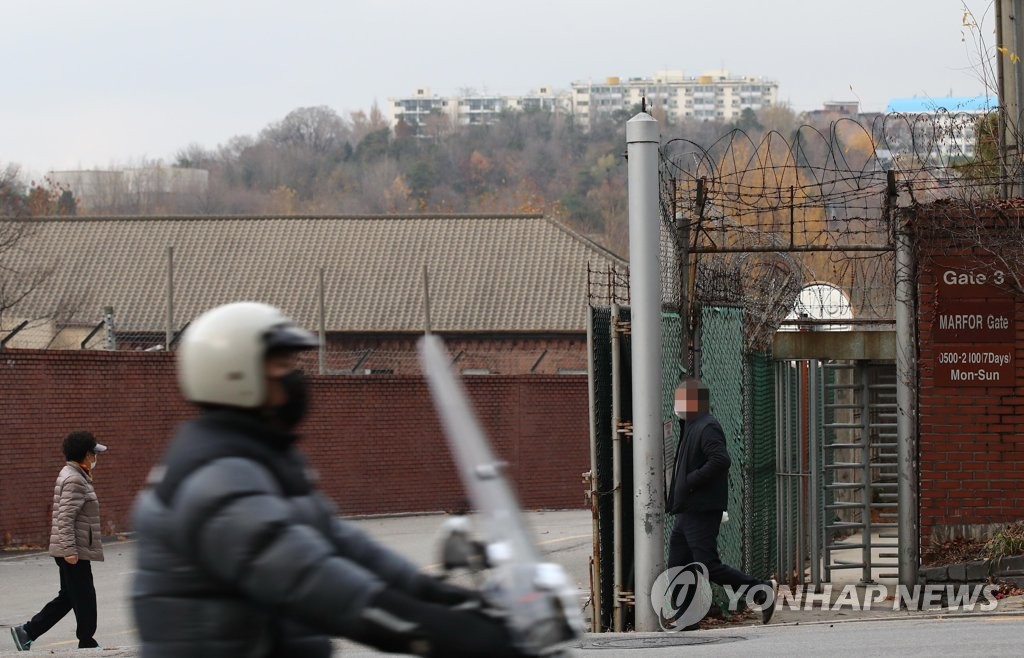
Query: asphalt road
x,y
27,581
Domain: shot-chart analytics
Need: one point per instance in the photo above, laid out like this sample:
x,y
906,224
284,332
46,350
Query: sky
x,y
110,83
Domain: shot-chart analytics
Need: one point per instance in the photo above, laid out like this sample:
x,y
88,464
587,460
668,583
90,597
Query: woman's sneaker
x,y
21,638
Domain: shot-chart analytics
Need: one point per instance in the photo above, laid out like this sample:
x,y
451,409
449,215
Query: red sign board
x,y
960,278
974,327
975,367
959,321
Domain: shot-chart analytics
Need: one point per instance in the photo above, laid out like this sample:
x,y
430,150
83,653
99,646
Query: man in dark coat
x,y
699,495
238,552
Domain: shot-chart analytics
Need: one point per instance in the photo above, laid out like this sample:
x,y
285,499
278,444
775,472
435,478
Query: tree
x,y
363,124
748,121
319,129
780,118
374,146
67,204
12,197
20,274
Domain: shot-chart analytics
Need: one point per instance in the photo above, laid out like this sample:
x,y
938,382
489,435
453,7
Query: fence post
x,y
323,326
169,331
642,143
906,408
108,324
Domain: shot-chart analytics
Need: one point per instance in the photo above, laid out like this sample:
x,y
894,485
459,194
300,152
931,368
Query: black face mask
x,y
294,409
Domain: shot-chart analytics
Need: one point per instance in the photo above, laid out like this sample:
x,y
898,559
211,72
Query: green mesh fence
x,y
601,383
721,369
742,398
760,527
671,368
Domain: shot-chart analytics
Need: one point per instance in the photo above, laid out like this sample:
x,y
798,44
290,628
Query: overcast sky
x,y
108,82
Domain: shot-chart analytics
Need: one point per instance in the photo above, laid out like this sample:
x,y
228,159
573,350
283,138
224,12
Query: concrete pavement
x,y
27,581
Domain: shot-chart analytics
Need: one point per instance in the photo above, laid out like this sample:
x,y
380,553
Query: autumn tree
x,y
12,197
20,273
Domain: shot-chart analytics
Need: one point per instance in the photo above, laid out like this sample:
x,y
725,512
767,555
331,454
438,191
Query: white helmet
x,y
220,360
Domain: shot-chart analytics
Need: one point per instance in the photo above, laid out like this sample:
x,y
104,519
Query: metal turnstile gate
x,y
836,470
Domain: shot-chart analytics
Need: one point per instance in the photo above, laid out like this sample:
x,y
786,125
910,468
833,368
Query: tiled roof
x,y
523,273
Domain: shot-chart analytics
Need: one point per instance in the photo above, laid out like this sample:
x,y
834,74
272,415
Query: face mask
x,y
296,388
94,460
680,411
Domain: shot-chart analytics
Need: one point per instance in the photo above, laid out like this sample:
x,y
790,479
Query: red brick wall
x,y
375,441
971,437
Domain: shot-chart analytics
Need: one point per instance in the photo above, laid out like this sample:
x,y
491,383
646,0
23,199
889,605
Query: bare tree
x,y
319,129
20,276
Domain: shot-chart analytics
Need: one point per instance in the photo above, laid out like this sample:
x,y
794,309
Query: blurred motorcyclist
x,y
238,552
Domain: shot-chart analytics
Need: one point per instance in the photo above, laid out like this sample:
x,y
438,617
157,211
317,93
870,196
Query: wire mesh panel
x,y
609,381
624,386
671,370
601,383
721,339
611,377
760,521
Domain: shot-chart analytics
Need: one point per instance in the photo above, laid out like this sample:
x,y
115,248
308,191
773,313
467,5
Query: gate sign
x,y
974,327
958,321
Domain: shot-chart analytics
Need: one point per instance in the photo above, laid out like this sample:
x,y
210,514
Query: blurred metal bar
x,y
169,331
323,325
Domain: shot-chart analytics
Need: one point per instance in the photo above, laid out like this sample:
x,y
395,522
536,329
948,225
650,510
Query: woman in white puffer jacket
x,y
74,544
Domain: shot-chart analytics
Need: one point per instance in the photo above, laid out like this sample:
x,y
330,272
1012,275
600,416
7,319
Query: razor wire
x,y
758,217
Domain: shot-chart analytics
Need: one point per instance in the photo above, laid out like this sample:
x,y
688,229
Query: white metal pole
x,y
642,140
906,409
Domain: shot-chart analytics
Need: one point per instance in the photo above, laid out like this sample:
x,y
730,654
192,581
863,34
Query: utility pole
x,y
642,142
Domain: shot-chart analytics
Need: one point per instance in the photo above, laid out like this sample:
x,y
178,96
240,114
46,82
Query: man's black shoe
x,y
21,639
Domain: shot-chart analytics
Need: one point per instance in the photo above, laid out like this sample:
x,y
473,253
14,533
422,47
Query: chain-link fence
x,y
742,398
759,493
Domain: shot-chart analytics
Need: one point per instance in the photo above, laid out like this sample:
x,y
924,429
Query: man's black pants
x,y
695,539
76,593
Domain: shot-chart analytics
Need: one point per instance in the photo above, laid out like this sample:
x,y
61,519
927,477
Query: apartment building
x,y
470,108
715,95
711,96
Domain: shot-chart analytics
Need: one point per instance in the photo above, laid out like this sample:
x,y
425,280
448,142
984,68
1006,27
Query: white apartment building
x,y
715,95
471,108
712,96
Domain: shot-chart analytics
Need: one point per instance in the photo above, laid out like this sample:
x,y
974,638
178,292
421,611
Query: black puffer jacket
x,y
700,482
238,555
